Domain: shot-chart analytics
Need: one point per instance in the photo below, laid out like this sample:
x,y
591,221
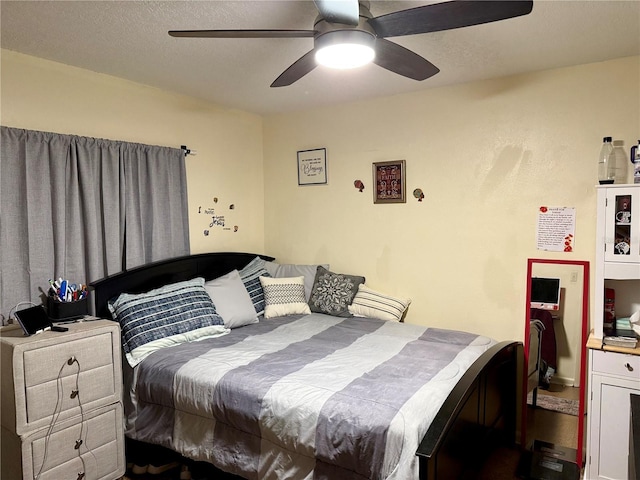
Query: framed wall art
x,y
312,167
389,182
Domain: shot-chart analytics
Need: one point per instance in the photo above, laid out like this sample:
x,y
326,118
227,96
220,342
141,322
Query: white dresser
x,y
614,376
62,403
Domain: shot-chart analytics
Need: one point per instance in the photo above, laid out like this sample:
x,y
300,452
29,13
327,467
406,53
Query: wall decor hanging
x,y
389,181
216,219
359,185
312,167
419,194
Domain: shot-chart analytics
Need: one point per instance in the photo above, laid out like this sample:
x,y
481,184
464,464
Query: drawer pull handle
x,y
629,367
78,443
74,393
80,476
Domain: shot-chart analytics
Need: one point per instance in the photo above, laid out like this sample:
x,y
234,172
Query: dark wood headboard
x,y
156,274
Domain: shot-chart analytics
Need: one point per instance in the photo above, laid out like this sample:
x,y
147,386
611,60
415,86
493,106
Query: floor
x,y
197,471
555,427
552,427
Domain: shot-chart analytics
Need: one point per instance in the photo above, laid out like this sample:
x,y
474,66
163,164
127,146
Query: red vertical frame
x,y
583,350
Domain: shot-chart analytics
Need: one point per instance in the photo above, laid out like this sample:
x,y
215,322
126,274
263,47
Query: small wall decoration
x,y
359,185
215,218
389,180
312,167
419,194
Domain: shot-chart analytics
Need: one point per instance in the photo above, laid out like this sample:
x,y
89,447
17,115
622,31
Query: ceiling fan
x,y
348,24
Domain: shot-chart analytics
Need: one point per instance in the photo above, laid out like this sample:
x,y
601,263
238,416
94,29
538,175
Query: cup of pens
x,y
66,300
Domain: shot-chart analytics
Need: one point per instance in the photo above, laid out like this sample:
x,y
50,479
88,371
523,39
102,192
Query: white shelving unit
x,y
614,372
617,266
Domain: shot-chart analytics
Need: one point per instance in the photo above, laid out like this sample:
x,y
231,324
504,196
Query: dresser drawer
x,y
619,364
93,385
42,373
100,456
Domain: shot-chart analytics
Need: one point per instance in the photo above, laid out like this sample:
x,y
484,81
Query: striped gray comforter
x,y
302,397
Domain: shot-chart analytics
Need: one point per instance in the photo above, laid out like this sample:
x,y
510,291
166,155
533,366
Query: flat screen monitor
x,y
545,293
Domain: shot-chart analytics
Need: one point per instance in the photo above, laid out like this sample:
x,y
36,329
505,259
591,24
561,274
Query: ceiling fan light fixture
x,y
344,49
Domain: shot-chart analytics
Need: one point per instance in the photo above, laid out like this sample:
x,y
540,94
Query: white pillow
x,y
369,303
284,296
232,300
290,270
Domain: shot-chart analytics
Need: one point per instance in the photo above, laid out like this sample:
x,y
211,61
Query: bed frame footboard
x,y
478,416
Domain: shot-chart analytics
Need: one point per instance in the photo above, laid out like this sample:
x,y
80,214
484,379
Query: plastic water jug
x,y
606,162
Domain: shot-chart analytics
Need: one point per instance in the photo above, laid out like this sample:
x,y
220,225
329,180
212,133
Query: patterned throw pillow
x,y
369,303
289,270
284,296
332,293
250,276
176,313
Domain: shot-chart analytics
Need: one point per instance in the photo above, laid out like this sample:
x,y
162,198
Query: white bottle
x,y
620,161
606,163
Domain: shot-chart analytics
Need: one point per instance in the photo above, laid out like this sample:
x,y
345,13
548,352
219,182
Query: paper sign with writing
x,y
312,167
556,229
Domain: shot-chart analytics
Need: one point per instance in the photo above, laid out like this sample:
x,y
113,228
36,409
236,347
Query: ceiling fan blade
x,y
447,15
346,12
297,70
402,61
242,33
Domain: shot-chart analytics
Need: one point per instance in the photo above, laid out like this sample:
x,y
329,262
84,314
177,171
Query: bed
x,y
318,396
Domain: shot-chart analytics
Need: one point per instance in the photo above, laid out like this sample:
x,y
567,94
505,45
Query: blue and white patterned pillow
x,y
250,276
176,313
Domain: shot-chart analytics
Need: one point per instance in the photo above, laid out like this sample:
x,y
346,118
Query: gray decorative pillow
x,y
289,270
231,299
332,293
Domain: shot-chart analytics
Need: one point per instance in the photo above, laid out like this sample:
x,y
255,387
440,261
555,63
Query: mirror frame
x,y
583,349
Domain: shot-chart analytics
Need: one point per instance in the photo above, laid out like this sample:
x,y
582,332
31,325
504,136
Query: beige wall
x,y
487,155
41,95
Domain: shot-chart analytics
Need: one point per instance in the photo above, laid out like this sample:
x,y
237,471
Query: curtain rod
x,y
187,151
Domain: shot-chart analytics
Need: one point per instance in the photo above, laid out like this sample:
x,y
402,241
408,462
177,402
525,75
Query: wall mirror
x,y
559,353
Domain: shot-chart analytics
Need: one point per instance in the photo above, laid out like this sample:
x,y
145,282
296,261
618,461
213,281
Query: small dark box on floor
x,y
59,311
548,462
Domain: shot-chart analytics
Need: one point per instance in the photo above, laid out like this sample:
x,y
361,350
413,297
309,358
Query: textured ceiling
x,y
129,39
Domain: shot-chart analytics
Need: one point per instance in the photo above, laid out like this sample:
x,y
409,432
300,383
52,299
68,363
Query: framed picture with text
x,y
389,182
312,167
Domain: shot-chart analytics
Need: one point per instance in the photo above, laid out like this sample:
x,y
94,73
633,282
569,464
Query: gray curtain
x,y
155,229
84,208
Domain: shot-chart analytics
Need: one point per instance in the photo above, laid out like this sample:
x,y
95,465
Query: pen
x,y
63,290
